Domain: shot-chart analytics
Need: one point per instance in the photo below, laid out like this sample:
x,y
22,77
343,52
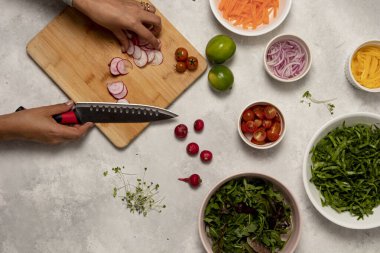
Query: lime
x,y
220,78
220,48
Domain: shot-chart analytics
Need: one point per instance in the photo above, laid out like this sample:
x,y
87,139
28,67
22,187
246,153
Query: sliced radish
x,y
123,100
128,64
131,48
115,88
143,42
158,57
113,66
135,40
142,61
122,67
137,53
150,54
121,94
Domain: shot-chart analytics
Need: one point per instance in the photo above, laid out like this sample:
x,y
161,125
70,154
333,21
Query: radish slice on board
x,y
128,64
142,61
113,66
122,67
115,88
131,48
137,53
158,57
123,100
150,54
122,94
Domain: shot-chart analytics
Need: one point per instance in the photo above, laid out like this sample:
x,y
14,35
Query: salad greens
x,y
346,169
247,215
140,198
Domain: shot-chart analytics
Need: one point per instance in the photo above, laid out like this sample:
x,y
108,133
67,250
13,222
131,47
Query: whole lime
x,y
220,78
220,48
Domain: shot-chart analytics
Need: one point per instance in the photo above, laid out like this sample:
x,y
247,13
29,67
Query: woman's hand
x,y
121,15
38,125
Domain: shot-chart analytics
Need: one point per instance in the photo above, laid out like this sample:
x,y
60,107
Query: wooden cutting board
x,y
75,53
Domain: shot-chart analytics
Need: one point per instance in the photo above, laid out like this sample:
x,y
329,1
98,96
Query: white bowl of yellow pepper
x,y
363,67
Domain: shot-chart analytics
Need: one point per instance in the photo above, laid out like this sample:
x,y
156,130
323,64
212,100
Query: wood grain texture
x,y
75,53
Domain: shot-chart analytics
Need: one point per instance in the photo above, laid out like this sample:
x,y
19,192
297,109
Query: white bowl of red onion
x,y
287,58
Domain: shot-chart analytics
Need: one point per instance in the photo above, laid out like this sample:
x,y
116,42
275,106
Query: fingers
x,y
144,33
57,109
73,133
120,35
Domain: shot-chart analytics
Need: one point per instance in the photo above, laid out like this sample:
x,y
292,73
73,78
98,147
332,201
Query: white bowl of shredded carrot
x,y
250,17
363,67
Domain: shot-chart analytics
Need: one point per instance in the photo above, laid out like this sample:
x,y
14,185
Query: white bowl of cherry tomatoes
x,y
261,125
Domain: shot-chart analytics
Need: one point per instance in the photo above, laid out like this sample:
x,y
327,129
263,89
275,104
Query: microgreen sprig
x,y
308,99
140,198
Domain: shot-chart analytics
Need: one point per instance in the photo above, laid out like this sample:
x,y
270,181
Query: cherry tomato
x,y
180,67
260,135
257,123
250,126
270,112
257,142
181,54
259,111
192,63
272,136
248,115
244,127
277,118
276,128
267,123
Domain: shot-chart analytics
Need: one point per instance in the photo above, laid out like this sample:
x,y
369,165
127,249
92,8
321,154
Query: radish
x,y
192,148
115,88
131,48
123,100
142,61
206,156
122,94
194,180
150,54
124,66
113,66
158,57
137,52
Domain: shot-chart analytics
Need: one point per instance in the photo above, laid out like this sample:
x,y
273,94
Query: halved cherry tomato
x,y
259,111
257,123
260,135
267,123
257,142
248,115
180,67
272,136
181,54
244,127
270,112
277,118
250,126
192,63
276,128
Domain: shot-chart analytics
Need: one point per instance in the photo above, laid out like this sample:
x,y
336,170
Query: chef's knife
x,y
112,113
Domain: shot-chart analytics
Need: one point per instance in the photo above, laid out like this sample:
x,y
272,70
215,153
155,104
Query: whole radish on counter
x,y
194,180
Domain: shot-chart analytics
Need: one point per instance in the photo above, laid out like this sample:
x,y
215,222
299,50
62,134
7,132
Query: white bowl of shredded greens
x,y
341,170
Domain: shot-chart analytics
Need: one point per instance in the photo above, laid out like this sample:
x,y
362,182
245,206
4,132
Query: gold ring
x,y
145,5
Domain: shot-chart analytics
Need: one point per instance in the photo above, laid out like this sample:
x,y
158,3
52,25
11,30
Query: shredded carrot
x,y
249,13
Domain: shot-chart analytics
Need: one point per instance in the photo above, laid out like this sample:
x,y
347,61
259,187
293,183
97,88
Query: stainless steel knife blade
x,y
119,113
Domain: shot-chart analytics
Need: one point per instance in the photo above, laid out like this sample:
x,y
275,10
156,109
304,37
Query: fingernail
x,y
70,102
123,49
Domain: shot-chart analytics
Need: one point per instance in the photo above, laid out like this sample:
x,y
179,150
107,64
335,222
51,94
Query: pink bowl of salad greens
x,y
287,58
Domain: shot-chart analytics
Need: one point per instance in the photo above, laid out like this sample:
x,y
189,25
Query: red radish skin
x,y
192,148
113,66
115,87
194,180
180,131
122,67
199,125
206,156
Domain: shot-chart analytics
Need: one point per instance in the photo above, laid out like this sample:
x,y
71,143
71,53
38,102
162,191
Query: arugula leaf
x,y
346,169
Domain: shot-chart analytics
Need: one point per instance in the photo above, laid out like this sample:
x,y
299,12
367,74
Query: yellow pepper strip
x,y
365,66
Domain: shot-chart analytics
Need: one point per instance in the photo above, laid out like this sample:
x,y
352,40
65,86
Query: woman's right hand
x,y
120,15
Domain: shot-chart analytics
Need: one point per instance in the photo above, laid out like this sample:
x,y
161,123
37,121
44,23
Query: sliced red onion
x,y
286,59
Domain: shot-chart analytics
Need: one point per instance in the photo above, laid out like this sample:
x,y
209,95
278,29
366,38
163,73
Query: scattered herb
x,y
247,215
139,198
308,99
346,169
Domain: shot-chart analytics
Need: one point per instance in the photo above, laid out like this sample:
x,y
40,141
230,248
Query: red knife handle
x,y
67,118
